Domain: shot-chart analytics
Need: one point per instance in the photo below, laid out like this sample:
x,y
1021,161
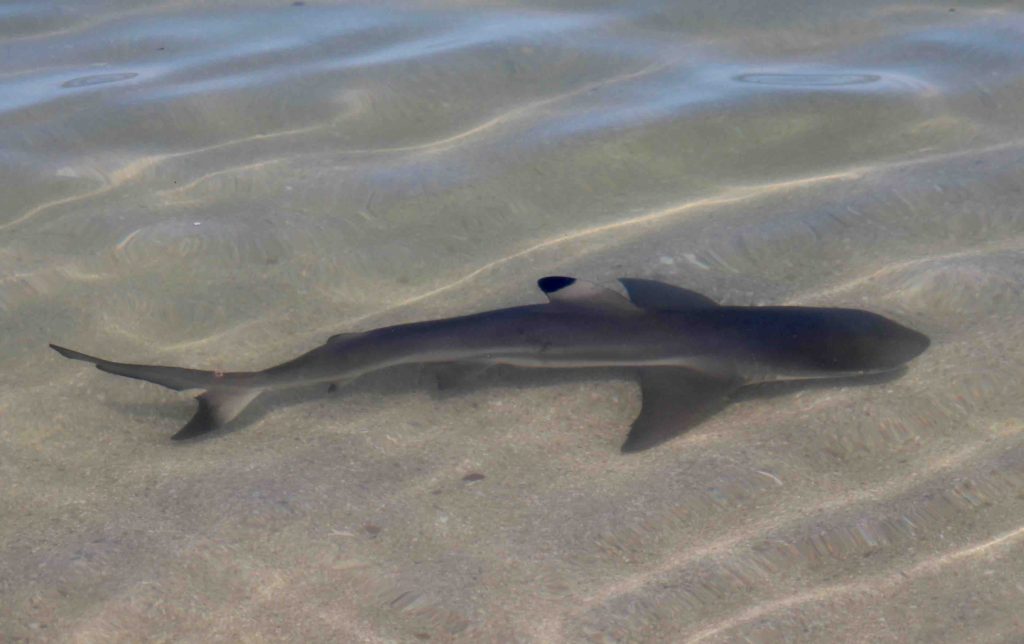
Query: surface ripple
x,y
225,187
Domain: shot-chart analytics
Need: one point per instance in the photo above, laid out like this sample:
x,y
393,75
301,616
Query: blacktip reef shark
x,y
690,352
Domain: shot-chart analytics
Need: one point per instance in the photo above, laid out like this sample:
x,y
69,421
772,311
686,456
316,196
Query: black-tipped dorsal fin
x,y
675,400
574,292
649,294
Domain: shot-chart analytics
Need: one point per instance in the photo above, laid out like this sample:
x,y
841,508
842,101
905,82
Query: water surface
x,y
226,184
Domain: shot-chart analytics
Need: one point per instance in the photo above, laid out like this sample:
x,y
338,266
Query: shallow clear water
x,y
226,184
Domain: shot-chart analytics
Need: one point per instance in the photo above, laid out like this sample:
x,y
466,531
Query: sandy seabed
x,y
225,185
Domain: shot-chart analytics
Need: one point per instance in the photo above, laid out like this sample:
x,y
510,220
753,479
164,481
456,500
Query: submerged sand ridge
x,y
274,176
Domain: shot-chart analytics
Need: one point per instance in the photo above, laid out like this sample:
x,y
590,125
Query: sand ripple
x,y
219,187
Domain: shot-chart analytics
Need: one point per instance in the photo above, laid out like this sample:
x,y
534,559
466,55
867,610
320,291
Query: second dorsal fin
x,y
574,292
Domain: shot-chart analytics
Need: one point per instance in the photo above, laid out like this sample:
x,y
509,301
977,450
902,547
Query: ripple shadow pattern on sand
x,y
224,187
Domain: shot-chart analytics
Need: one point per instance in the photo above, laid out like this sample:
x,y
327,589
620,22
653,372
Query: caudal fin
x,y
174,378
222,401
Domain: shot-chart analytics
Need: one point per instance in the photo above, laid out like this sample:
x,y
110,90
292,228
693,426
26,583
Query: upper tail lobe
x,y
222,401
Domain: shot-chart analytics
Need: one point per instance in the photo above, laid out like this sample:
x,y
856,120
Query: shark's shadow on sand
x,y
438,381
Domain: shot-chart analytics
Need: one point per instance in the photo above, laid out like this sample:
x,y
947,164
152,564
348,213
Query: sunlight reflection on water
x,y
228,186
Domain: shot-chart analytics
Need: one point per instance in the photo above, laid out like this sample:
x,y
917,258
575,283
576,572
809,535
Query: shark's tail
x,y
217,407
224,397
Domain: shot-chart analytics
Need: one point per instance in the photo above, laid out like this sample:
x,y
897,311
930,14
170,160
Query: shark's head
x,y
853,340
823,341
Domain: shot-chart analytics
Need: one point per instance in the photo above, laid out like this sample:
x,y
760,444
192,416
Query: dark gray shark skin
x,y
690,352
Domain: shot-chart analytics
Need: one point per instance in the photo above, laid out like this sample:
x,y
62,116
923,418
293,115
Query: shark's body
x,y
691,353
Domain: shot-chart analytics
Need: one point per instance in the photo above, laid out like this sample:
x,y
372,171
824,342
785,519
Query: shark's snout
x,y
890,345
906,344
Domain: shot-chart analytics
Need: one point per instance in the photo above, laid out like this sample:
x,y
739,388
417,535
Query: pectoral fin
x,y
673,401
